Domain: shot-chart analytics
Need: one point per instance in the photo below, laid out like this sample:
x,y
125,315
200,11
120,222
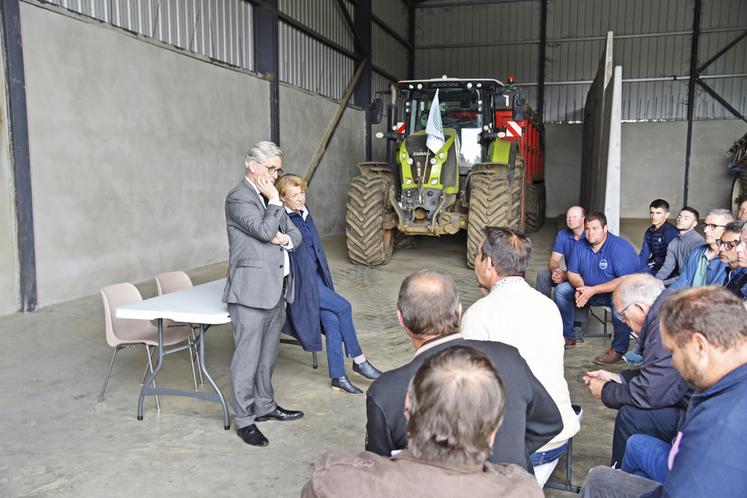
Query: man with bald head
x,y
565,241
650,399
429,311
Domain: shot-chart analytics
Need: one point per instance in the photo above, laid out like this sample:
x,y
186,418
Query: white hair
x,y
261,152
640,288
721,212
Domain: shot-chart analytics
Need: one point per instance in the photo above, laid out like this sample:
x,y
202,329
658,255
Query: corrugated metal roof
x,y
221,29
323,17
652,43
393,13
307,63
388,53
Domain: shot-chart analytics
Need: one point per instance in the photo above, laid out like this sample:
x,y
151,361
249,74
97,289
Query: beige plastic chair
x,y
122,333
172,281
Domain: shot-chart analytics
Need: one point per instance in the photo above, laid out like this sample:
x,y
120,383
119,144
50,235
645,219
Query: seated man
x,y
650,399
594,270
429,310
736,277
703,266
565,241
681,246
454,407
515,314
706,331
657,237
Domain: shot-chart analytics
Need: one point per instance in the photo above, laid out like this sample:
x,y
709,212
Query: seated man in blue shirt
x,y
703,266
731,239
657,238
565,241
706,331
594,270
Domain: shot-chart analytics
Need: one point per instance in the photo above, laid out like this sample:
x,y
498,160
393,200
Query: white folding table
x,y
197,305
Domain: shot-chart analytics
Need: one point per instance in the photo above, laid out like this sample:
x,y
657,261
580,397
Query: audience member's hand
x,y
280,239
583,294
601,374
595,387
265,185
559,276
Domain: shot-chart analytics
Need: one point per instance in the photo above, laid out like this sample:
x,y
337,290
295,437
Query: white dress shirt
x,y
515,314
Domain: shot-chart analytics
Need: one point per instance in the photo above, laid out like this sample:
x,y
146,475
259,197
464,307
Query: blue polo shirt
x,y
565,242
614,259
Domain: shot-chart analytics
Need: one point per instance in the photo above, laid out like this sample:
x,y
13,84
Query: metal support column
x,y
411,40
362,96
691,94
541,72
266,56
17,121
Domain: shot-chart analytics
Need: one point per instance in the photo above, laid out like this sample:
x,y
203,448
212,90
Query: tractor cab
x,y
465,107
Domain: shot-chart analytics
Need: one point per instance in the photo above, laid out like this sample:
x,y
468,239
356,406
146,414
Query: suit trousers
x,y
256,335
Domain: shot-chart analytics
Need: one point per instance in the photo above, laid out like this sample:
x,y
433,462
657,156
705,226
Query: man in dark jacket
x,y
706,331
652,399
429,310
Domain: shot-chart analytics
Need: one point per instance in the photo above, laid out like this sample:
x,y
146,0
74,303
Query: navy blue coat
x,y
303,321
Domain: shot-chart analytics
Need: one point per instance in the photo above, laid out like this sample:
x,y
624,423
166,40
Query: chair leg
x,y
314,363
108,374
150,368
196,355
190,352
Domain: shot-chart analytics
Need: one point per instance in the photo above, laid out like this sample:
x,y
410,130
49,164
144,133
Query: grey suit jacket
x,y
255,266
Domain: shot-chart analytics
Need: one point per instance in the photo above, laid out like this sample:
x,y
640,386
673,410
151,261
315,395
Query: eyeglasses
x,y
621,314
713,226
273,170
729,245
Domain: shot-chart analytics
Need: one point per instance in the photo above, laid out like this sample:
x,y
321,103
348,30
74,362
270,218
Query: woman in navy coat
x,y
316,305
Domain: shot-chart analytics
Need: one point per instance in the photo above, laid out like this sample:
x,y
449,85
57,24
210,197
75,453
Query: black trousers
x,y
660,423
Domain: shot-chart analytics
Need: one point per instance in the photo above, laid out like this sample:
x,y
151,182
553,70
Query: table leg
x,y
203,367
154,374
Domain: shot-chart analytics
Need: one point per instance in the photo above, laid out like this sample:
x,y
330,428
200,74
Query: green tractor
x,y
472,178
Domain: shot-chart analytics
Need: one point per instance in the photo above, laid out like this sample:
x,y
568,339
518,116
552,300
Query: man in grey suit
x,y
259,283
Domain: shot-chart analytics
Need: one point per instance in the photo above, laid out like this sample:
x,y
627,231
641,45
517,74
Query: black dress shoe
x,y
343,384
367,370
280,414
252,435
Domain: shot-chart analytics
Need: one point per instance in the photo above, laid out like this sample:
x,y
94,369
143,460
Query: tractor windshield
x,y
461,109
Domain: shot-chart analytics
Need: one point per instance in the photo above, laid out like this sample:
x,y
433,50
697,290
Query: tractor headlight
x,y
409,160
441,155
433,160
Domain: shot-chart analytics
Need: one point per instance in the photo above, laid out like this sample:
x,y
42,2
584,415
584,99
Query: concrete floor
x,y
58,441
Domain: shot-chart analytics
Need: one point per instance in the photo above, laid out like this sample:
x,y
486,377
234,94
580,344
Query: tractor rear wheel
x,y
369,242
738,189
490,204
535,215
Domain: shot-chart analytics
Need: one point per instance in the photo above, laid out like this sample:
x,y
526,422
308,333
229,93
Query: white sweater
x,y
516,314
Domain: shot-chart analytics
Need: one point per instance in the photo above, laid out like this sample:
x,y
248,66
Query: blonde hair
x,y
290,180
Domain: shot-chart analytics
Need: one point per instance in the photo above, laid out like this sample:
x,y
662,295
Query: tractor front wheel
x,y
369,241
490,204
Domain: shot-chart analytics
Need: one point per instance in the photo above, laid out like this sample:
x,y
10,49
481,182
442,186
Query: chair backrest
x,y
120,330
171,281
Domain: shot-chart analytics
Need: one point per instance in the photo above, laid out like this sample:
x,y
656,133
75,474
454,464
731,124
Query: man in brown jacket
x,y
454,407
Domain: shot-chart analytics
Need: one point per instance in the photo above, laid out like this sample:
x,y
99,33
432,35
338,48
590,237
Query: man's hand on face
x,y
267,187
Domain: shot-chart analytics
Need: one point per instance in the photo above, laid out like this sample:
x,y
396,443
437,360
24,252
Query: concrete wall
x,y
653,165
133,149
304,118
562,166
9,293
